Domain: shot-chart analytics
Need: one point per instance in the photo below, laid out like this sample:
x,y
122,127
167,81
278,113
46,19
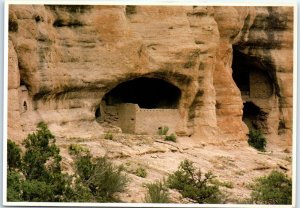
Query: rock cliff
x,y
232,67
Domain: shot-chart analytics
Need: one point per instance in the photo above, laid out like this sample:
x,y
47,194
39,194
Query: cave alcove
x,y
251,77
149,93
140,105
254,117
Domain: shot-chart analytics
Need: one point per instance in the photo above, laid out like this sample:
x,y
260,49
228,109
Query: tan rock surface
x,y
233,162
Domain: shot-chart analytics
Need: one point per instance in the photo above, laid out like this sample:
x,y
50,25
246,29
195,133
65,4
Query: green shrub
x,y
227,184
106,180
100,178
171,138
84,167
13,155
141,172
157,193
37,191
56,190
194,184
40,177
257,140
14,186
109,136
75,149
163,130
42,169
40,148
80,192
276,188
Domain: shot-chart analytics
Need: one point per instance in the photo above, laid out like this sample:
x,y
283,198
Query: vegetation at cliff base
x,y
157,192
13,155
257,140
36,174
275,188
193,184
163,130
100,178
171,138
141,172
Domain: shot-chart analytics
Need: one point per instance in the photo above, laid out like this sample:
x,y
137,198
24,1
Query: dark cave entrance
x,y
251,76
98,113
254,117
140,105
241,72
148,93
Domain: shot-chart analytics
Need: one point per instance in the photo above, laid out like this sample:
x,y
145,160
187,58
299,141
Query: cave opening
x,y
250,76
149,93
254,117
98,113
241,72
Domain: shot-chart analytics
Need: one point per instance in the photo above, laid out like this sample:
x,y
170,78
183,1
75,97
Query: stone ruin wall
x,y
130,118
69,57
150,120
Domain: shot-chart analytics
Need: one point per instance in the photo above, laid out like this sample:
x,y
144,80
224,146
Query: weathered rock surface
x,y
234,163
64,59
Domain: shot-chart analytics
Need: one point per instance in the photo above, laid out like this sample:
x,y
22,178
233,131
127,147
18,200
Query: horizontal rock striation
x,y
64,60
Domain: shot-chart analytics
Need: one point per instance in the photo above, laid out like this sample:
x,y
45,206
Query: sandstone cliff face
x,y
63,60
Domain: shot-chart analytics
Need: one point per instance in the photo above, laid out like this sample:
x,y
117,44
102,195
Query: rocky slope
x,y
233,163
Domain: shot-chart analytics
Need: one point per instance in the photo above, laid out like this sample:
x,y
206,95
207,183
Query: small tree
x,y
41,157
194,185
13,155
39,177
37,191
14,186
276,188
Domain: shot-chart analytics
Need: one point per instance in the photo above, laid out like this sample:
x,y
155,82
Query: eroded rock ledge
x,y
205,72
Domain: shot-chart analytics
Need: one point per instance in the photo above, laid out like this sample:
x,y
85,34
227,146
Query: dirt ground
x,y
235,163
